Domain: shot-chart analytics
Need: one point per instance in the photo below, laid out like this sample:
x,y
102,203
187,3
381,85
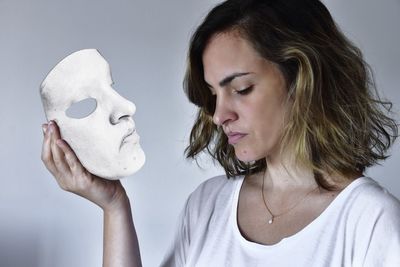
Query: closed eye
x,y
245,91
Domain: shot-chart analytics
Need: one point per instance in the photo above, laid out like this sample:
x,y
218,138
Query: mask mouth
x,y
129,133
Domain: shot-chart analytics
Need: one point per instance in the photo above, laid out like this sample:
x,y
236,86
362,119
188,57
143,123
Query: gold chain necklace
x,y
273,216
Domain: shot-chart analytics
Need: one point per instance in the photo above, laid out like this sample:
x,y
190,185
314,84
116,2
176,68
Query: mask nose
x,y
123,109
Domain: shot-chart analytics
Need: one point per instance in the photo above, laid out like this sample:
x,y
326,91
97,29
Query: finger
x,y
65,148
70,157
55,130
58,155
47,156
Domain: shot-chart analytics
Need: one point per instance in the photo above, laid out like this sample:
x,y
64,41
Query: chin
x,y
125,166
136,162
246,155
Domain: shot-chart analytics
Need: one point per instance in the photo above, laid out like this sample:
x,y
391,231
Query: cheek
x,y
271,123
268,123
93,132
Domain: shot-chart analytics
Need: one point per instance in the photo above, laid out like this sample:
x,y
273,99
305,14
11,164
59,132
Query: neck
x,y
283,173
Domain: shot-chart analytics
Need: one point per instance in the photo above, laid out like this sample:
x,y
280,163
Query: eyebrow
x,y
228,79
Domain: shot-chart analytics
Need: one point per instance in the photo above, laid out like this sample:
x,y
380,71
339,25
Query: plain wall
x,y
145,43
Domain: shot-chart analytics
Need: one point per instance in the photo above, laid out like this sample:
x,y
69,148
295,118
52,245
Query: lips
x,y
131,136
130,132
235,137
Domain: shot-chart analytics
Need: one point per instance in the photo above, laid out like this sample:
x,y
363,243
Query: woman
x,y
288,108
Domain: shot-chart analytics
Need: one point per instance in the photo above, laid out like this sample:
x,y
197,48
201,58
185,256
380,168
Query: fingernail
x,y
44,128
59,142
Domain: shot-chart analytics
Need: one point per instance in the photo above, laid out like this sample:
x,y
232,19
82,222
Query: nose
x,y
224,112
123,109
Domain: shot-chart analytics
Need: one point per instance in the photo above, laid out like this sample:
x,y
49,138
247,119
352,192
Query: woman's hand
x,y
121,247
71,176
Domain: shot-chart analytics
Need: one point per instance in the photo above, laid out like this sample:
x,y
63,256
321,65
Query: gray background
x,y
145,42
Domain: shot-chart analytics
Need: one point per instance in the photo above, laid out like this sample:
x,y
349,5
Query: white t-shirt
x,y
361,227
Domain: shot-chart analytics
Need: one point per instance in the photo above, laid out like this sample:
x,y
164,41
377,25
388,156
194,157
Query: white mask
x,y
105,141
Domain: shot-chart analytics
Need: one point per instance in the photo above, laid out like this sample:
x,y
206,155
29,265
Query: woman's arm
x,y
120,246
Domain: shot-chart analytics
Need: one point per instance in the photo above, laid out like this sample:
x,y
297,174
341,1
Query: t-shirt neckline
x,y
339,199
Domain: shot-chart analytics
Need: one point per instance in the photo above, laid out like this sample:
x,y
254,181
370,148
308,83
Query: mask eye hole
x,y
82,109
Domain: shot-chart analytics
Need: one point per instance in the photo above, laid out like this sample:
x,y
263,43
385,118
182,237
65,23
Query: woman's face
x,y
250,96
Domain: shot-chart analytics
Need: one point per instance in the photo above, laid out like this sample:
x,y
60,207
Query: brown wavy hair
x,y
337,123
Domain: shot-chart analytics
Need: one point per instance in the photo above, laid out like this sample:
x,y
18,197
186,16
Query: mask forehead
x,y
78,76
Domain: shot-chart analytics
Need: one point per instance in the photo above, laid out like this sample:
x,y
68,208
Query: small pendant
x,y
271,220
